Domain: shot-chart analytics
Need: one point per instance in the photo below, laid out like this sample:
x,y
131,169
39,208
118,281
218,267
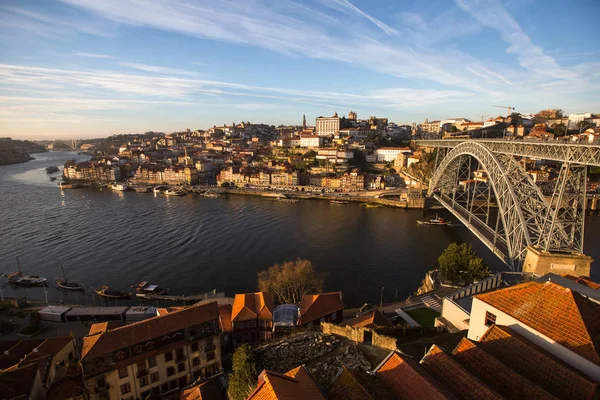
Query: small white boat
x,y
175,192
65,185
160,189
121,187
208,193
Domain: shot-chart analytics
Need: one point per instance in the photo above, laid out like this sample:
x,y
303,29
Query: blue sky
x,y
89,68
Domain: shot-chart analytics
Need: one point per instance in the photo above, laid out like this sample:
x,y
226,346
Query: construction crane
x,y
508,109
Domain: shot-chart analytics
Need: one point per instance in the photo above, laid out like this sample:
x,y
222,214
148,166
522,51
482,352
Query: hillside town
x,y
511,335
336,155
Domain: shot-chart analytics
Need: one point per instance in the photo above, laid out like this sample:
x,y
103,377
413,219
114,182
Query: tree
x,y
243,378
516,119
560,130
289,281
459,262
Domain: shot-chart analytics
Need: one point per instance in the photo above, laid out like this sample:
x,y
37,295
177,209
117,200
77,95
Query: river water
x,y
193,244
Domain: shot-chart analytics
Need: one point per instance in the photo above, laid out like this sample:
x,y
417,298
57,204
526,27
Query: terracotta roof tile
x,y
456,377
128,335
225,316
294,384
315,306
409,380
582,280
18,382
504,380
535,364
103,327
252,305
357,385
204,391
369,319
562,314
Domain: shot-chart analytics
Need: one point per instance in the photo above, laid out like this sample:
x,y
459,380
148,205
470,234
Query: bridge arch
x,y
521,205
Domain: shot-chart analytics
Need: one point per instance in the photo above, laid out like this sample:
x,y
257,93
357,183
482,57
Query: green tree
x,y
516,119
459,263
560,130
289,281
243,378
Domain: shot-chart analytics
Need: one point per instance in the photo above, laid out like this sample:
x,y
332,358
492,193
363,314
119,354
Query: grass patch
x,y
424,316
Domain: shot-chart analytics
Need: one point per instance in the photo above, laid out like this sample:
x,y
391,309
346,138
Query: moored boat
x,y
122,187
434,221
17,278
145,290
106,292
142,189
66,185
52,169
370,205
64,283
338,202
175,192
160,189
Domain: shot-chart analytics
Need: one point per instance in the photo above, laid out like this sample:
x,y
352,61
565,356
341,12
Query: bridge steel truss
x,y
523,216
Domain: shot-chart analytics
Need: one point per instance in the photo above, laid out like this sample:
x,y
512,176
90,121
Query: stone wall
x,y
357,335
291,351
325,371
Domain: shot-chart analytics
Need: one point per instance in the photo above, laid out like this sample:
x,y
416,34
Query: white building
x,y
311,141
328,126
560,320
576,118
389,154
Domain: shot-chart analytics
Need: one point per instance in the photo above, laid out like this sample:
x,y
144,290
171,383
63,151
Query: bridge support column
x,y
540,262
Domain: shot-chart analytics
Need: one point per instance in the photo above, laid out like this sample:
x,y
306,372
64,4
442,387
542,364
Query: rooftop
x,y
252,305
294,384
315,306
115,339
557,312
369,319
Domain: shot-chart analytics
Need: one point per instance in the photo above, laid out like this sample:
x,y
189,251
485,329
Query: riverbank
x,y
18,151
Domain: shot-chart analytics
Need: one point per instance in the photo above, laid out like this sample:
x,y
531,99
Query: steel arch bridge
x,y
485,185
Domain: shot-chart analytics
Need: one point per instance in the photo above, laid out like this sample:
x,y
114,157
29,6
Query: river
x,y
194,244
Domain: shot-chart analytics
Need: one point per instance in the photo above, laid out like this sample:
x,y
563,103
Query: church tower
x,y
304,121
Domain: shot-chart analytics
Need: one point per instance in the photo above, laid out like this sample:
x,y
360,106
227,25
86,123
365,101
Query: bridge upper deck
x,y
577,153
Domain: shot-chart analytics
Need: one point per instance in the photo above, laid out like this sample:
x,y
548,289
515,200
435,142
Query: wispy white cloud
x,y
381,25
92,55
156,69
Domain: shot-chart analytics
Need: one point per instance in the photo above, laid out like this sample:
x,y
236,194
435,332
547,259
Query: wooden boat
x,y
106,292
121,187
145,290
65,185
369,205
160,189
52,169
65,284
142,189
17,278
175,192
434,221
338,202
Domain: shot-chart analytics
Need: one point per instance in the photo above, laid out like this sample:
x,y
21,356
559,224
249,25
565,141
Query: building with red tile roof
x,y
157,355
558,319
358,385
448,371
252,317
296,384
368,319
322,307
408,380
498,375
207,390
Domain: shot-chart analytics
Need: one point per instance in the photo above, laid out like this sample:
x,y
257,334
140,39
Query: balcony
x,y
102,388
142,373
209,347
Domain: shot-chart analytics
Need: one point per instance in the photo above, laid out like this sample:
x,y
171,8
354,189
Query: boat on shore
x,y
434,221
145,290
18,279
160,189
338,202
175,192
66,185
65,284
108,293
121,187
51,169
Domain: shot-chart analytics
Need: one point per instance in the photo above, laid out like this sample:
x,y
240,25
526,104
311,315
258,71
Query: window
x,y
151,362
194,346
149,345
141,366
180,367
139,349
210,356
196,361
169,356
125,388
123,373
154,377
170,371
120,356
144,381
490,319
179,353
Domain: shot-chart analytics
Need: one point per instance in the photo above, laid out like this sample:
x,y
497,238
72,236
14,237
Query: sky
x,y
93,68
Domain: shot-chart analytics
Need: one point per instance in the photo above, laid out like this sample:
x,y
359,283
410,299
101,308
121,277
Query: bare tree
x,y
290,280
